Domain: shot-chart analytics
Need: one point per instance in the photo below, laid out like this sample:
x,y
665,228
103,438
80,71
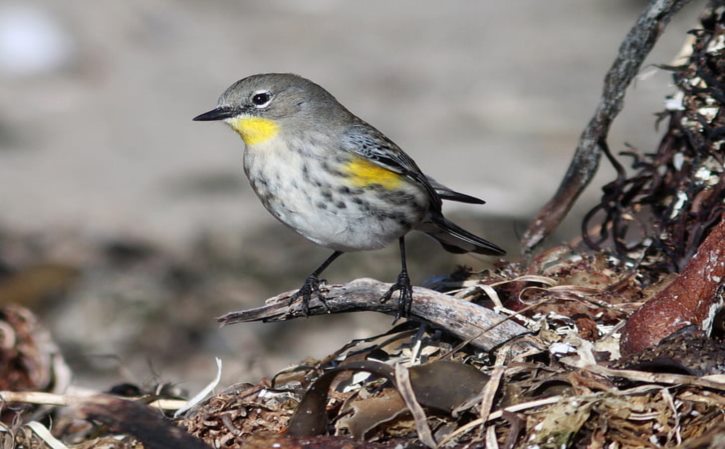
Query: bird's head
x,y
259,107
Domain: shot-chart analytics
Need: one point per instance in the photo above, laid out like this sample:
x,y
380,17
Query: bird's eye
x,y
261,99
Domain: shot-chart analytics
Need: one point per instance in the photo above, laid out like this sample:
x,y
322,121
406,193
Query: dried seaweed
x,y
550,388
658,216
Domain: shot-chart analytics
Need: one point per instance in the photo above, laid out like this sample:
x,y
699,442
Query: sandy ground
x,y
96,140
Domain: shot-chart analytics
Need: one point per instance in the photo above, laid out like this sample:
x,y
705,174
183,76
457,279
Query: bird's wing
x,y
372,145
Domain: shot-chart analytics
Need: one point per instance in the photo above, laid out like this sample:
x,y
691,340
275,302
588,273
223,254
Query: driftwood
x,y
694,297
484,328
632,52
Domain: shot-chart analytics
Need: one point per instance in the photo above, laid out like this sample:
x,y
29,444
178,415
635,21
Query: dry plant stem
x,y
491,441
43,398
44,434
483,327
716,382
632,52
402,379
489,391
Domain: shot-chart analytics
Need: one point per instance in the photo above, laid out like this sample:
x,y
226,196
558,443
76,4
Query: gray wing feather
x,y
369,143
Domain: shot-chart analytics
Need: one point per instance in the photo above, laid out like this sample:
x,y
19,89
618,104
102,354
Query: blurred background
x,y
127,227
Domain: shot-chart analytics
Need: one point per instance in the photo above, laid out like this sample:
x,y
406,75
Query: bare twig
x,y
632,52
482,326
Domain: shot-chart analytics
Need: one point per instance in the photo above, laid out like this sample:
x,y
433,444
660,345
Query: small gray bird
x,y
335,179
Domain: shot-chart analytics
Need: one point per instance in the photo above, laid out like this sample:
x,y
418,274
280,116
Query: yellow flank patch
x,y
254,130
363,173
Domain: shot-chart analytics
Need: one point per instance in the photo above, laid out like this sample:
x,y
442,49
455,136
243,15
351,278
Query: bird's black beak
x,y
220,113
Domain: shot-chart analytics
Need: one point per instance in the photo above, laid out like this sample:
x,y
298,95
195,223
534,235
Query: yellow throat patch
x,y
254,130
363,173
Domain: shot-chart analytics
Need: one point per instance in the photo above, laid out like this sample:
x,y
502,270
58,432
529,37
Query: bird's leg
x,y
312,285
403,286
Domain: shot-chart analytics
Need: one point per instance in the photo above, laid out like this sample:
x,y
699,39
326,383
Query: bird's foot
x,y
405,299
309,288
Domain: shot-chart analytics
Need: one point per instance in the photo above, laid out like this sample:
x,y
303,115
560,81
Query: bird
x,y
335,179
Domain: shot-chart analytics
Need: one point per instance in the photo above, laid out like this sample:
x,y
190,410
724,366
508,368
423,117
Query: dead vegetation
x,y
618,344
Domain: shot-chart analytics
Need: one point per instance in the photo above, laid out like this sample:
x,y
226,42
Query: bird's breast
x,y
340,201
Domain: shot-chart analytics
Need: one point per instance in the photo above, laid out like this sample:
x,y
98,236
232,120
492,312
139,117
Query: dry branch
x,y
482,327
632,52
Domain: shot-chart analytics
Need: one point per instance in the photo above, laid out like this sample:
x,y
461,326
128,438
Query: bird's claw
x,y
405,299
309,288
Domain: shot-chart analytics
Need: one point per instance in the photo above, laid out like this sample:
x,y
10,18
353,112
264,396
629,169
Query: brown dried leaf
x,y
432,384
371,412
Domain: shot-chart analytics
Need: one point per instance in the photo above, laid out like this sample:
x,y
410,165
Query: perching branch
x,y
632,52
483,327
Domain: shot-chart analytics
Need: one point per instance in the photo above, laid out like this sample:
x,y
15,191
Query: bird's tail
x,y
456,239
